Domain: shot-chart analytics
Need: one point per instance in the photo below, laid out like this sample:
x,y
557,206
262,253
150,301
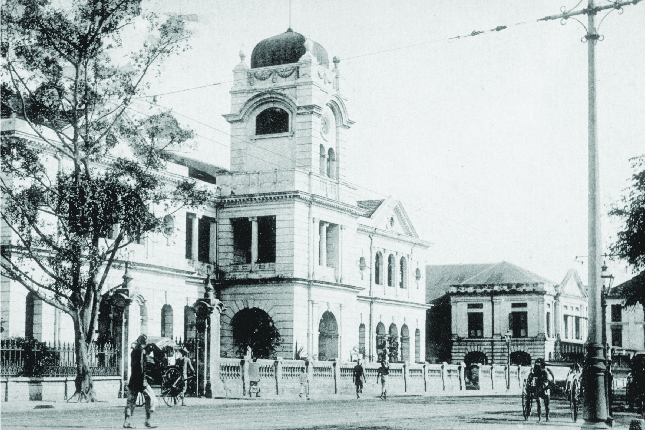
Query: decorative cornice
x,y
362,228
287,280
266,73
386,301
243,199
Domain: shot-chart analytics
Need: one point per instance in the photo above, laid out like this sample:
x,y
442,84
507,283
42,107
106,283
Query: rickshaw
x,y
636,383
160,353
568,386
529,393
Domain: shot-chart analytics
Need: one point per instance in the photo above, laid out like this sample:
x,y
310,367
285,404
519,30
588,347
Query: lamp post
x,y
507,339
607,281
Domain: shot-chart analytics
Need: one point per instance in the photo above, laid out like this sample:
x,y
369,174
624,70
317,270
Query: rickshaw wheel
x,y
574,401
526,401
170,386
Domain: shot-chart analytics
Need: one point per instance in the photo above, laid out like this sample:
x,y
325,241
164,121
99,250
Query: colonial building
x,y
499,308
286,241
332,272
624,327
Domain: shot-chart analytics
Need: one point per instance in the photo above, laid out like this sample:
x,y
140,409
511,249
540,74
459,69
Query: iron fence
x,y
27,357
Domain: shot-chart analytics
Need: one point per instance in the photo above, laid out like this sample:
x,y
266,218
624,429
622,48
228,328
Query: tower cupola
x,y
285,48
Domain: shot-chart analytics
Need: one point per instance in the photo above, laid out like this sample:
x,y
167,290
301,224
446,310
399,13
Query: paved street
x,y
344,412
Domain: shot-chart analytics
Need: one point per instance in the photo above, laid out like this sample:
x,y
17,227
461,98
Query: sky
x,y
483,139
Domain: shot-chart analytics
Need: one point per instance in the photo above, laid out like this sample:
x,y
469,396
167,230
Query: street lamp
x,y
507,339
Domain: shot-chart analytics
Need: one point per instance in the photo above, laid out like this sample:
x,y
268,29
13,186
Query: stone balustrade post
x,y
245,374
492,377
462,376
278,375
444,374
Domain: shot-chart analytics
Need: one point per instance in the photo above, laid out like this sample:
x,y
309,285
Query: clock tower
x,y
288,116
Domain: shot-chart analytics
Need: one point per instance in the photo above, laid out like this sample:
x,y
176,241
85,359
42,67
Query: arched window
x,y
331,164
143,314
393,338
417,346
361,339
272,120
390,270
405,343
168,225
323,161
381,341
403,282
166,321
190,323
378,268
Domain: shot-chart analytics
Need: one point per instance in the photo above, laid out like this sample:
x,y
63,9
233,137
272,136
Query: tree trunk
x,y
84,386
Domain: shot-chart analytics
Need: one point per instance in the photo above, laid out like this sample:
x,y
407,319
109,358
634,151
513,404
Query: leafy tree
x,y
254,328
88,184
630,244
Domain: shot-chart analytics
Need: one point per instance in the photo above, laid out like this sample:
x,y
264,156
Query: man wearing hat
x,y
139,383
183,363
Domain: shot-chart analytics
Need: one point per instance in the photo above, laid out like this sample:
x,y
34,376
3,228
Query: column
x,y
315,249
217,389
340,253
254,239
323,243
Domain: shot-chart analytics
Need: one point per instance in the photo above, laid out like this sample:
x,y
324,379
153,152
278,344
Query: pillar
x,y
340,253
254,239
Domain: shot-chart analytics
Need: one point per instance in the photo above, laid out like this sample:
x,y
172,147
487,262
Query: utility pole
x,y
595,400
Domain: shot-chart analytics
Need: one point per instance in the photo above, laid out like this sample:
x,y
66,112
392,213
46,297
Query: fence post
x,y
278,375
425,376
309,365
443,374
462,376
405,376
335,365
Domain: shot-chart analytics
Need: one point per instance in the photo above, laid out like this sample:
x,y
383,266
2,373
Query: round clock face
x,y
324,127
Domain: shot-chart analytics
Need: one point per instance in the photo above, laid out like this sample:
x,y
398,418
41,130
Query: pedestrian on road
x,y
359,378
542,386
304,382
183,363
139,384
381,376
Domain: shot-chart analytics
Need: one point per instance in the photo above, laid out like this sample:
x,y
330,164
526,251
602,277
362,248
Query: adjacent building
x,y
624,326
497,309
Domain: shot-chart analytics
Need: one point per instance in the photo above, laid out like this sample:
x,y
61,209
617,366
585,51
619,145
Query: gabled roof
x,y
572,276
380,213
370,206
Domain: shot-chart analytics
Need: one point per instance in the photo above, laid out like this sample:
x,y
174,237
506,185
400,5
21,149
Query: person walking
x,y
542,386
304,382
139,384
381,376
183,363
359,378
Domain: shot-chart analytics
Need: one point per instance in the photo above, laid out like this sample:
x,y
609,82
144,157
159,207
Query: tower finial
x,y
290,1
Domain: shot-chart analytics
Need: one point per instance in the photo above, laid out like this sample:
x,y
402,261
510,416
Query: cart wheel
x,y
170,386
526,402
574,401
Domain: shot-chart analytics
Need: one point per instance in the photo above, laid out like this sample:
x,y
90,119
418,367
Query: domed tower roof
x,y
285,48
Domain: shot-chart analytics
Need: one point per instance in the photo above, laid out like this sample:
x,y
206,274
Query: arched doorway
x,y
327,337
254,328
394,343
520,358
405,343
475,357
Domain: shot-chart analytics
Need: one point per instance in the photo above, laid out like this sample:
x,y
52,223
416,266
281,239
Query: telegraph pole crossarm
x,y
595,406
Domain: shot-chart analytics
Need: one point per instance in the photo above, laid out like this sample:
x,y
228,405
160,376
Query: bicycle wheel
x,y
574,401
526,401
171,386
